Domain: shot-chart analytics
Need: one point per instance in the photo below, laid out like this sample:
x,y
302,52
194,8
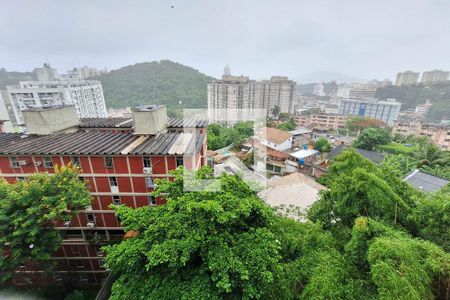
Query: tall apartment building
x,y
231,98
438,134
322,121
86,95
119,167
435,76
386,111
407,78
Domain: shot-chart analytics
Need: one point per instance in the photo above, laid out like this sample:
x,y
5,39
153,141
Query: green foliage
x,y
199,245
356,124
400,162
399,266
396,148
371,137
323,145
288,125
411,96
220,136
345,163
163,82
28,211
432,218
276,111
431,155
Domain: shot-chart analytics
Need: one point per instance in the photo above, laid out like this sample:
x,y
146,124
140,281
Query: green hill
x,y
12,78
411,96
163,82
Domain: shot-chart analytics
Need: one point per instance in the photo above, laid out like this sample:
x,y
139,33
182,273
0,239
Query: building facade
x,y
438,134
87,96
435,76
321,121
232,98
386,111
118,168
406,78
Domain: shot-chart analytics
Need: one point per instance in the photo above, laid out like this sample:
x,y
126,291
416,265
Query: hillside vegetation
x,y
12,78
411,96
163,82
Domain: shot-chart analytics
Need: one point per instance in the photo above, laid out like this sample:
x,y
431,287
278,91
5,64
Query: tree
x,y
276,111
323,145
371,137
431,155
200,245
288,125
395,264
431,217
28,212
357,123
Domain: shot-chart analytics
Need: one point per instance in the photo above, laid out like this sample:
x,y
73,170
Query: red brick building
x,y
119,166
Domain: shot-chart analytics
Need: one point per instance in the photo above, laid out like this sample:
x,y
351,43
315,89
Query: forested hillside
x,y
411,96
163,82
11,78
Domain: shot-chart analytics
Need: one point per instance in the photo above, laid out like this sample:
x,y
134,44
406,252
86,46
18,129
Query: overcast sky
x,y
364,39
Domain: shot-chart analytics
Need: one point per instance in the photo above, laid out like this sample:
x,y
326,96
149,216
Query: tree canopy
x,y
322,145
163,82
220,136
363,240
29,209
371,137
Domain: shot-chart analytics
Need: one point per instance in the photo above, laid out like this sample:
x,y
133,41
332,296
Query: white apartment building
x,y
407,78
232,98
435,76
87,96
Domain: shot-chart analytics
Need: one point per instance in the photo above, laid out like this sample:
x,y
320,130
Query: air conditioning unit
x,y
67,224
90,224
23,162
148,170
38,163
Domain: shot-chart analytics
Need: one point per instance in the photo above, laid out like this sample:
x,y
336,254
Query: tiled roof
x,y
187,122
98,143
425,182
276,136
106,123
128,123
370,155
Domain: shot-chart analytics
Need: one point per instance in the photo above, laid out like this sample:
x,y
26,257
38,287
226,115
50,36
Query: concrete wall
x,y
47,121
150,119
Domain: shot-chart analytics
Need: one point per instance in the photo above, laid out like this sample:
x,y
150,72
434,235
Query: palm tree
x,y
276,111
431,155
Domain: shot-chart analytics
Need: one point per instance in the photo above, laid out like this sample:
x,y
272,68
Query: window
x,y
147,162
112,181
109,162
149,182
75,161
151,200
179,161
14,162
75,250
90,217
48,162
20,178
116,200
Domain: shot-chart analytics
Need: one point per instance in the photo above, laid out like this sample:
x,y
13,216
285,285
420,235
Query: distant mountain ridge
x,y
327,76
164,82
